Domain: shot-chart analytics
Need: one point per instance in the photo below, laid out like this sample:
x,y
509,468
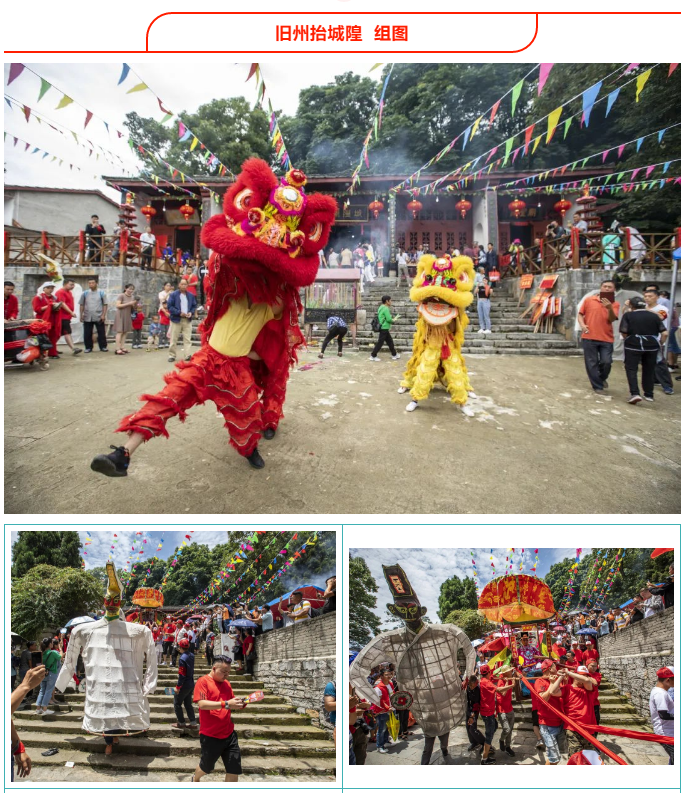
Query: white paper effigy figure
x,y
425,658
113,652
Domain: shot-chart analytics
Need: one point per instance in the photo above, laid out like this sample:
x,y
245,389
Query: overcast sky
x,y
95,87
428,568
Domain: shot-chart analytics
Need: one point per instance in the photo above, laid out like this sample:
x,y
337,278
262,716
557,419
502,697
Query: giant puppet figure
x,y
113,652
443,290
265,247
425,658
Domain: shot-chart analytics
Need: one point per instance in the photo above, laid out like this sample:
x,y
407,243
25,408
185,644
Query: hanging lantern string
x,y
450,145
474,162
622,146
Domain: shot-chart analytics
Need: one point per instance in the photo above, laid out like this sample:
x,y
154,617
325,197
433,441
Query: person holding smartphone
x,y
596,317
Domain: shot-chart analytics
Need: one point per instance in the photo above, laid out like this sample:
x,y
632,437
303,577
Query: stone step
x,y
162,717
254,729
165,704
631,720
129,764
181,746
161,699
518,351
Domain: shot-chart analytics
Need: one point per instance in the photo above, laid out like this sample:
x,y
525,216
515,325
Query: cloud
x,y
428,568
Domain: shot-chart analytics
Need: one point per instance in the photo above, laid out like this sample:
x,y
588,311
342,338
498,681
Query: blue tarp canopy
x,y
301,587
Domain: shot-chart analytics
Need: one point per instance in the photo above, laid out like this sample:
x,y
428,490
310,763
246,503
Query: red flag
x,y
495,108
89,116
252,71
17,68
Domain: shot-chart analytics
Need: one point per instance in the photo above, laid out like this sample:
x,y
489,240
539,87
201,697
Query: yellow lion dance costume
x,y
443,290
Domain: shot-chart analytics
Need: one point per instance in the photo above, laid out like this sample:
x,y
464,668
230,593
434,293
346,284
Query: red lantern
x,y
187,211
563,206
516,207
414,206
376,207
462,207
148,211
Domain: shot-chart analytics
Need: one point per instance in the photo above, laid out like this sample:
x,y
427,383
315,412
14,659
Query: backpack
x,y
375,324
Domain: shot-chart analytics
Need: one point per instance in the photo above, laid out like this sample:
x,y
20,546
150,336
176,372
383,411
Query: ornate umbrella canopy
x,y
516,599
148,598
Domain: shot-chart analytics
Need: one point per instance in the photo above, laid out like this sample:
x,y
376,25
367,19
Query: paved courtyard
x,y
409,752
540,442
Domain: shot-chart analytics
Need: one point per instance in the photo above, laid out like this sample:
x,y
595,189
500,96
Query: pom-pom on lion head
x,y
273,222
443,287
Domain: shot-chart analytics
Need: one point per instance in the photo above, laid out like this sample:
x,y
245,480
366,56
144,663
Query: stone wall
x,y
298,661
630,658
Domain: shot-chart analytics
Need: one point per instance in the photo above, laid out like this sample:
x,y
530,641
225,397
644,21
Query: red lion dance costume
x,y
265,246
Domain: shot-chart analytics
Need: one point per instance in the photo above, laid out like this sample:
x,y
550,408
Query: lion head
x,y
443,287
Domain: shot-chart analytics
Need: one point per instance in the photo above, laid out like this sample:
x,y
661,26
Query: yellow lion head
x,y
443,287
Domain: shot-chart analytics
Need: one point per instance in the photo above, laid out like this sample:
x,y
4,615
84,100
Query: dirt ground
x,y
540,442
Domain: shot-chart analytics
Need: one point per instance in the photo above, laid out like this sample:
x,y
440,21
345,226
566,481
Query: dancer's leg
x,y
426,374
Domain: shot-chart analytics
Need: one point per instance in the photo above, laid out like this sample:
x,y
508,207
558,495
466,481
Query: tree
x,y
363,622
47,597
229,128
57,548
474,625
457,593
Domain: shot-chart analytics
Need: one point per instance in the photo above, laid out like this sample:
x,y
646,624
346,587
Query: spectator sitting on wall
x,y
662,708
330,595
299,609
665,590
263,619
637,612
652,603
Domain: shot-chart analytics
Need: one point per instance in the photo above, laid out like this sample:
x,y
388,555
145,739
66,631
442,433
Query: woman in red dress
x,y
45,307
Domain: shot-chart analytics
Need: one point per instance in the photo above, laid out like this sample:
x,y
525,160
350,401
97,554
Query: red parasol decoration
x,y
516,599
659,551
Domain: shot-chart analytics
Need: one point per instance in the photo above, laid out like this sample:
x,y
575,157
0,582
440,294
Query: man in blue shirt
x,y
183,692
336,328
182,306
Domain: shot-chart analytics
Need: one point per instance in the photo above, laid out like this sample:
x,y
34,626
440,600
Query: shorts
x,y
66,328
226,748
490,728
535,719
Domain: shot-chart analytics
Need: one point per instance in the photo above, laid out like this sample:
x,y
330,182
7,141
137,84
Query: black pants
x,y
146,258
598,361
248,665
597,716
360,745
475,737
209,655
336,331
669,750
88,335
184,698
646,359
384,336
167,648
429,744
663,375
95,254
403,721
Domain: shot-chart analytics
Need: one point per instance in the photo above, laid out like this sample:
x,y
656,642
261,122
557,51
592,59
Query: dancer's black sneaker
x,y
114,464
510,751
255,460
269,433
488,761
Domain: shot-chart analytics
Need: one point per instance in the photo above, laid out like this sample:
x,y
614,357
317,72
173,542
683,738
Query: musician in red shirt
x,y
551,725
577,652
577,700
505,712
65,296
597,677
590,653
488,708
46,307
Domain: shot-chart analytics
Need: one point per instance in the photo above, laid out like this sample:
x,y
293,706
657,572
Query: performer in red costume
x,y
265,247
47,308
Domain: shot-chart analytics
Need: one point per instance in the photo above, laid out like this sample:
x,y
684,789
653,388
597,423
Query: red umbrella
x,y
659,551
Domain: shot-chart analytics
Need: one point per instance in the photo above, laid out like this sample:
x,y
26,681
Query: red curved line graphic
x,y
319,52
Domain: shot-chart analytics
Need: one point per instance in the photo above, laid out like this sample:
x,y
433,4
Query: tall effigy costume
x,y
443,290
113,652
264,248
425,658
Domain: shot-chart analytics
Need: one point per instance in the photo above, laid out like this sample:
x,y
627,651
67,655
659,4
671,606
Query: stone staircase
x,y
615,711
510,335
274,738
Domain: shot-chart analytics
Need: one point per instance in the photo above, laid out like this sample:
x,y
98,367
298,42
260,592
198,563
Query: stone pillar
x,y
492,218
391,230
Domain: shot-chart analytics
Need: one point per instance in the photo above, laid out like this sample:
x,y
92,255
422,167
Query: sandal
x,y
120,352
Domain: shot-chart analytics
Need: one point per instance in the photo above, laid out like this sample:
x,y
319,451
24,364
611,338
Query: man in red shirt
x,y
590,653
558,648
382,711
169,632
214,696
577,700
45,307
551,726
488,708
65,296
11,302
596,317
505,712
597,677
191,279
577,653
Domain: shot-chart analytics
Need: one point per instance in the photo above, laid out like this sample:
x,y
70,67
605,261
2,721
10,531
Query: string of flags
x,y
175,558
510,154
276,137
185,134
613,573
582,162
472,129
275,578
372,132
569,590
37,150
151,561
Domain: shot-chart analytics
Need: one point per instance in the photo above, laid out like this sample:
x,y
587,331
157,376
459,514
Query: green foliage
x,y
457,593
57,548
473,624
363,622
47,597
229,128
